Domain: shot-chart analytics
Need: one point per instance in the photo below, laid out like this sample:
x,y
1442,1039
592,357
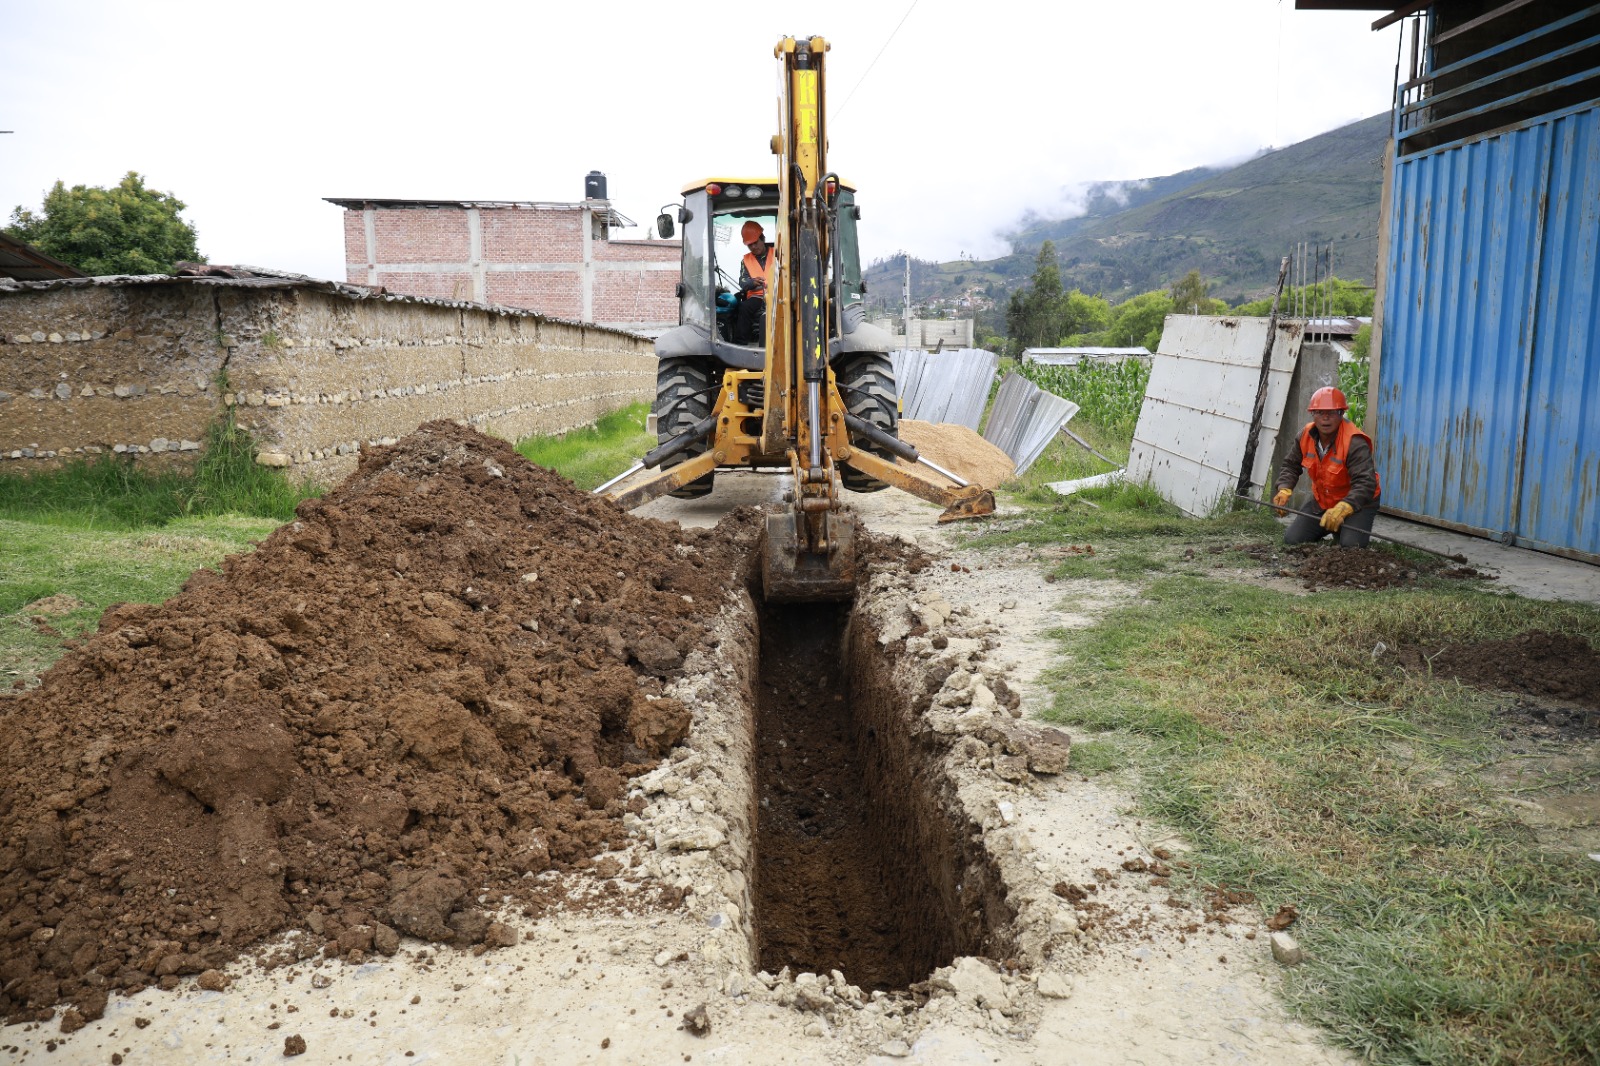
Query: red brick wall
x,y
513,238
556,294
422,235
523,235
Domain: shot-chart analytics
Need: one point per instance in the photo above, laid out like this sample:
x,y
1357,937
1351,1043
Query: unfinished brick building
x,y
558,259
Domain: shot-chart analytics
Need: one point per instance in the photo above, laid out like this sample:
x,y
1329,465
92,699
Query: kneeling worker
x,y
1344,478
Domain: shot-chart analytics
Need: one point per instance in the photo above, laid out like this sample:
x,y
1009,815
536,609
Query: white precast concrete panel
x,y
1197,410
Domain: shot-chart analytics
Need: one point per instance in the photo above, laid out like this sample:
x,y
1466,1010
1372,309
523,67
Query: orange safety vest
x,y
758,270
1330,478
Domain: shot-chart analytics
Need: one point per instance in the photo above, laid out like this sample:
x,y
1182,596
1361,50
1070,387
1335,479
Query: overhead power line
x,y
877,57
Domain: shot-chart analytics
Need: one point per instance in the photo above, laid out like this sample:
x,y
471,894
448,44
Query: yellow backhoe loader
x,y
797,379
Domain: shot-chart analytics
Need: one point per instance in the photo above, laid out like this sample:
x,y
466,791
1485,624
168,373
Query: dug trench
x,y
860,866
457,695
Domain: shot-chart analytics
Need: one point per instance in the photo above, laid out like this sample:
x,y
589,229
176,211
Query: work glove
x,y
749,285
1334,516
1280,500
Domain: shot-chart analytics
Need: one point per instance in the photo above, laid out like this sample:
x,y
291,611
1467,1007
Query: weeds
x,y
111,492
1259,724
593,455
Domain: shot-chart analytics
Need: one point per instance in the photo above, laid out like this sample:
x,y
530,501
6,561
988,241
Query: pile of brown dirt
x,y
1321,567
1544,665
958,449
434,682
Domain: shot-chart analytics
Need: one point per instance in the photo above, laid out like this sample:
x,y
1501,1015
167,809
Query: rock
x,y
385,941
975,985
1011,767
500,935
1054,986
1286,949
1049,752
697,1020
895,1049
212,980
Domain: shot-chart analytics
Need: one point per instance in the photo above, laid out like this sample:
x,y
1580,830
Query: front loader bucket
x,y
792,574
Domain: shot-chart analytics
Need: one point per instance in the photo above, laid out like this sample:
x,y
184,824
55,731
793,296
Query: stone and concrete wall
x,y
312,370
554,258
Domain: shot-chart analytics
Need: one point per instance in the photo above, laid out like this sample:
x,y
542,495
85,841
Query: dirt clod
x,y
697,1020
345,729
294,1045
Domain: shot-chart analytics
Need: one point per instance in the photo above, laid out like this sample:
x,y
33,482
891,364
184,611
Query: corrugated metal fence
x,y
1488,407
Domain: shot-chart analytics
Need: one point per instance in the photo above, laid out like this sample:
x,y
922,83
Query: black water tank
x,y
594,186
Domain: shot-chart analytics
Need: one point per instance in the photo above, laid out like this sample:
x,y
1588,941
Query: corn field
x,y
1108,395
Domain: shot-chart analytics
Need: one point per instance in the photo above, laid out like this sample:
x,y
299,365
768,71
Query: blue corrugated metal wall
x,y
1488,413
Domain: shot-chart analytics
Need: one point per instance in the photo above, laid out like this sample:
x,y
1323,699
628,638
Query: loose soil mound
x,y
959,450
1321,567
433,683
1544,665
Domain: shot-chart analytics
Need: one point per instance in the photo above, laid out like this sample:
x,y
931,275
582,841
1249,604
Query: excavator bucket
x,y
791,572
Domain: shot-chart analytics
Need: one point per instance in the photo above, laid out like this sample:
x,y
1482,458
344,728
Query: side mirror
x,y
664,225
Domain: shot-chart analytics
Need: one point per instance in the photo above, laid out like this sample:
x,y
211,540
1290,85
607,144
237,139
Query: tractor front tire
x,y
685,394
866,382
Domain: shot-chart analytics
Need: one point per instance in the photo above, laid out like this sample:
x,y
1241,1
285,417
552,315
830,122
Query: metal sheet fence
x,y
1489,378
1025,419
950,387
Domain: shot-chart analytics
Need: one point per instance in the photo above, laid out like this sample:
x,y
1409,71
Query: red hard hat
x,y
1327,398
751,231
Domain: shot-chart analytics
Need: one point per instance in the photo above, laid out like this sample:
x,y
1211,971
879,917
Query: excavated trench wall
x,y
312,370
864,861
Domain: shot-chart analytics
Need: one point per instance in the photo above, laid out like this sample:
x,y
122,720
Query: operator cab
x,y
713,215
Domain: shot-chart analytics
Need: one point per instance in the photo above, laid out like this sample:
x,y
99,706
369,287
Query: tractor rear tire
x,y
684,396
867,384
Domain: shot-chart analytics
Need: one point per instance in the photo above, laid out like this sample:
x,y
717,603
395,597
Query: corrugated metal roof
x,y
351,292
24,262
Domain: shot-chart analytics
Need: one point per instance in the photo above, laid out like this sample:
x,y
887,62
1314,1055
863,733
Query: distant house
x,y
1485,378
1079,356
558,259
24,262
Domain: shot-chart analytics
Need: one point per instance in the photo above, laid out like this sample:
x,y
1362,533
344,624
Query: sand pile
x,y
958,449
434,682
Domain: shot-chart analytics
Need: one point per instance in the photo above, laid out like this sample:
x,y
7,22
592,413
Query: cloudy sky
x,y
954,117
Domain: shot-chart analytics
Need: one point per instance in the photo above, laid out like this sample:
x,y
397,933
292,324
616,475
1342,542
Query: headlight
x,y
732,190
753,191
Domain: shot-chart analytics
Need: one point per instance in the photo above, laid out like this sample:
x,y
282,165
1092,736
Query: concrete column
x,y
369,220
480,273
586,282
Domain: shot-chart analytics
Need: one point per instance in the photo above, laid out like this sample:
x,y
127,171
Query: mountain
x,y
1231,224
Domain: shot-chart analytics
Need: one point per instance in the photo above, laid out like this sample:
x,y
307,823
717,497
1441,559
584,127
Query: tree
x,y
1190,294
126,229
1034,314
1139,320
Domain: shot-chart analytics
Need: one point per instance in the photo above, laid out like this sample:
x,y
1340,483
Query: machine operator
x,y
750,326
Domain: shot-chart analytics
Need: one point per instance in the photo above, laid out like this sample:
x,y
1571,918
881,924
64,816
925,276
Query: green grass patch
x,y
593,455
96,568
112,492
1438,929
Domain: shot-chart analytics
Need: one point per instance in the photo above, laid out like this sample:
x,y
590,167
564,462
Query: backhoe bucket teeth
x,y
976,505
790,573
